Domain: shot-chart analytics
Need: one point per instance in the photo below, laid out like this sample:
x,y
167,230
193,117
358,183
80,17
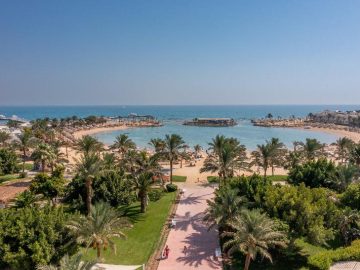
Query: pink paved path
x,y
192,233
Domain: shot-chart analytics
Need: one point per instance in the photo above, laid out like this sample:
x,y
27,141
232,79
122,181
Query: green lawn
x,y
8,177
278,178
143,238
179,178
28,166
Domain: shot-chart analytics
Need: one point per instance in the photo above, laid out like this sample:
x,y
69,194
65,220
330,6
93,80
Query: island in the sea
x,y
211,122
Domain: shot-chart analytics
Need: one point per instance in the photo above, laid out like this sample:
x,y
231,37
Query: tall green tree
x,y
262,157
172,150
88,167
123,144
99,228
88,145
25,142
4,138
355,155
227,157
43,154
224,207
343,148
312,149
278,151
253,233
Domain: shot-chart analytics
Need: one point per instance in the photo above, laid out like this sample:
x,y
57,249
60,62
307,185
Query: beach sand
x,y
355,136
81,133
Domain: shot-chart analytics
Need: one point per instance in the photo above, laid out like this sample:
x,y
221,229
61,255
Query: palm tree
x,y
355,155
59,155
97,229
346,174
4,137
343,148
44,155
217,143
70,263
142,184
227,158
197,149
158,144
109,161
26,141
251,233
123,144
88,145
277,150
172,150
88,167
224,207
262,157
312,149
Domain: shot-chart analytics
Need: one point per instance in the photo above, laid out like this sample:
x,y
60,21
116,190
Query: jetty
x,y
211,122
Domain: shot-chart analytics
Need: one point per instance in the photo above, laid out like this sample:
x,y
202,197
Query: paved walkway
x,y
190,230
346,266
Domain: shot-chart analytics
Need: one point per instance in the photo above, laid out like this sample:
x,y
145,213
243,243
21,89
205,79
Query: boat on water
x,y
211,122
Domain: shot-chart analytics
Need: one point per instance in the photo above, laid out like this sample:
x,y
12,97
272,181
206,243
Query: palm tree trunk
x,y
171,170
98,251
43,166
247,261
265,170
24,157
272,170
143,202
88,185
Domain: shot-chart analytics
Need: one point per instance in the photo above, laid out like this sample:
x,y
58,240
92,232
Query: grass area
x,y
294,258
143,238
213,179
179,178
8,177
278,178
28,166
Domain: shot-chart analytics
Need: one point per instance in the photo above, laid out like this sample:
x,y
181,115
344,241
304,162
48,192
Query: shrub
x,y
323,260
252,187
155,194
171,187
351,196
320,173
8,161
213,179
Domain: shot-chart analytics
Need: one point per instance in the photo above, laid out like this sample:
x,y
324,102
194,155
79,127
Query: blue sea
x,y
173,116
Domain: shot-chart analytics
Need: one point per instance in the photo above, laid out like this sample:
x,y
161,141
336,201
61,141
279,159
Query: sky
x,y
179,52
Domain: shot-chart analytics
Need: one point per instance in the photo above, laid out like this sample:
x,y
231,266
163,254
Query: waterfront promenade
x,y
189,230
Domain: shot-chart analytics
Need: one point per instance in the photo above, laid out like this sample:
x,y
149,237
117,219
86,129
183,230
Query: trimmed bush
x,y
155,194
323,260
171,187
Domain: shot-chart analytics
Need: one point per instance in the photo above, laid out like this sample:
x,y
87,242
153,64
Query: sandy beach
x,y
81,133
338,132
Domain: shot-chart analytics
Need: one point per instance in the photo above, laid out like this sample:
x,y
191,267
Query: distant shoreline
x,y
92,131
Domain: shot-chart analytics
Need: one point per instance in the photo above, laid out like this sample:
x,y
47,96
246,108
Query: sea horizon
x,y
172,117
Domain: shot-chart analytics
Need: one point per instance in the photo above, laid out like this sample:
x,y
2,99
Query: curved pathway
x,y
189,230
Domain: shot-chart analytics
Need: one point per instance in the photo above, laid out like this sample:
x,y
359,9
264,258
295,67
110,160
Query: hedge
x,y
323,260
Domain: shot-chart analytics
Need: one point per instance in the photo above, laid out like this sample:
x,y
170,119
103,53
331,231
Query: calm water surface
x,y
173,116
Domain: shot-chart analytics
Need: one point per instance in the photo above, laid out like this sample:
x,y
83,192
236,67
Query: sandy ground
x,y
81,133
340,133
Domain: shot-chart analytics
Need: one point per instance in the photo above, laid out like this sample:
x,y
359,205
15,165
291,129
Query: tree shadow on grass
x,y
132,212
